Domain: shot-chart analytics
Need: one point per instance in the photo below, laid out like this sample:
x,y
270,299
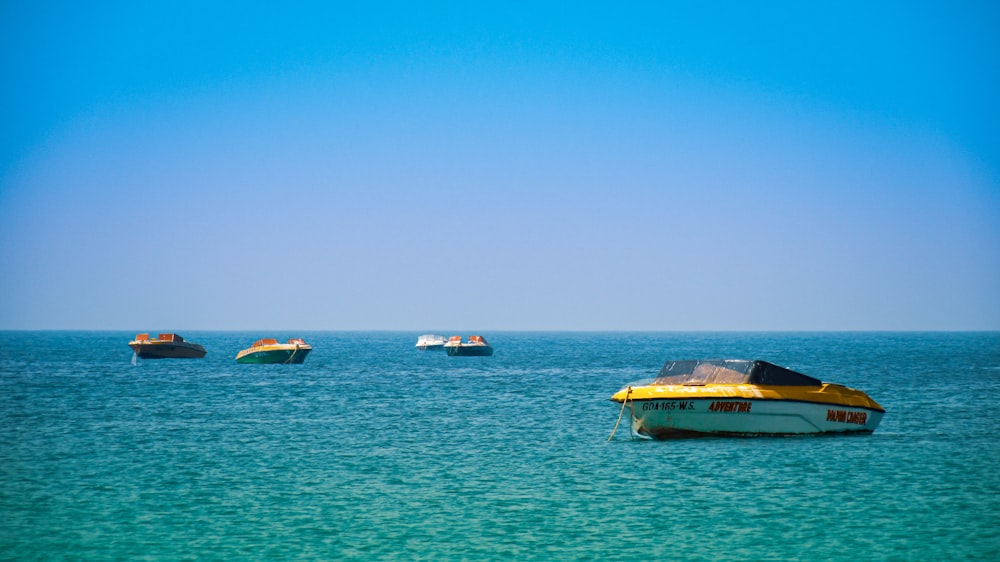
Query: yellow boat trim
x,y
280,346
273,347
826,394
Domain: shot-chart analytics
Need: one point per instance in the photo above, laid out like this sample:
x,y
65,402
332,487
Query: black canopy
x,y
731,371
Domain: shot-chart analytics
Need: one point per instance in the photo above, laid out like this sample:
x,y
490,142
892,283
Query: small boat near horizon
x,y
165,346
431,342
476,346
269,351
738,397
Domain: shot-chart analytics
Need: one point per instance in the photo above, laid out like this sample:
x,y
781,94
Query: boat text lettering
x,y
682,406
730,407
843,416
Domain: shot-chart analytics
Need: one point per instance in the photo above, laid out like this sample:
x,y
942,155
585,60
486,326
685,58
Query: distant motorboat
x,y
165,346
740,397
431,342
475,346
269,351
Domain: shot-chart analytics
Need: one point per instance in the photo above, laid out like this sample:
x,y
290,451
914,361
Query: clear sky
x,y
500,166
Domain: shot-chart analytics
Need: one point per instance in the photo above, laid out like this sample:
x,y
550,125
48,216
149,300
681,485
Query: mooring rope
x,y
292,356
628,391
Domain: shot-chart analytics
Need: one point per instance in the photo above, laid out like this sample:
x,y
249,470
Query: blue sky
x,y
508,166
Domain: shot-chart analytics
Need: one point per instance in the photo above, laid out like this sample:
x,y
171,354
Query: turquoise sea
x,y
374,450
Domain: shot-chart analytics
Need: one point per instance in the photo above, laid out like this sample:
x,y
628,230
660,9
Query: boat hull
x,y
469,350
273,356
687,417
167,350
431,342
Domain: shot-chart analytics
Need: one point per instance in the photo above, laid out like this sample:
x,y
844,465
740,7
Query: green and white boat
x,y
268,350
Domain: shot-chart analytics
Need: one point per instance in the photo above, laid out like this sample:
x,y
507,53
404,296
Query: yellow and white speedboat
x,y
743,398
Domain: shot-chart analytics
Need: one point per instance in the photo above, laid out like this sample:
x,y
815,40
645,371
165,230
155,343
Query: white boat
x,y
743,398
431,342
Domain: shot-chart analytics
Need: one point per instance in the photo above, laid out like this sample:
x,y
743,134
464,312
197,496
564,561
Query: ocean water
x,y
374,450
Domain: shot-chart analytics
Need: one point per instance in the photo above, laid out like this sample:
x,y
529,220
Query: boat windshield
x,y
730,371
